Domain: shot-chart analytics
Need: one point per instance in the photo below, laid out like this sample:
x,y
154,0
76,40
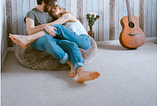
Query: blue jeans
x,y
83,41
65,45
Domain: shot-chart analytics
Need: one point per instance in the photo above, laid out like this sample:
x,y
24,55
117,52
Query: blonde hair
x,y
63,10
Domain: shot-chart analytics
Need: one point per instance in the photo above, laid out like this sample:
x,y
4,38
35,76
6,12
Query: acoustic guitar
x,y
131,36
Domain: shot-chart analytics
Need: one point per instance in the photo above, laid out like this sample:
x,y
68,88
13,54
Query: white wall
x,y
3,32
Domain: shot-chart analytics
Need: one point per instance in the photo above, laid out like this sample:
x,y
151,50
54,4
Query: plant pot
x,y
91,32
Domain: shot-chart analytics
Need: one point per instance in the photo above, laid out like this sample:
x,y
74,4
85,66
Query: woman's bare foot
x,y
87,75
20,40
14,40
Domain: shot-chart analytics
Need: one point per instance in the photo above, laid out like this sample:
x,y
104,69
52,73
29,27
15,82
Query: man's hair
x,y
48,2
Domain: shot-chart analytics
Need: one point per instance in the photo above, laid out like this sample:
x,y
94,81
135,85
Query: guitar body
x,y
131,36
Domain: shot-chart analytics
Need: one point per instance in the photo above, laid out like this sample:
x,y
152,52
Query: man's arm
x,y
31,28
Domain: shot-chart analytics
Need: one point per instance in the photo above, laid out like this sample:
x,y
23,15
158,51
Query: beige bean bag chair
x,y
42,60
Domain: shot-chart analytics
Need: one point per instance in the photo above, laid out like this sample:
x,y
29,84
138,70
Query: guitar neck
x,y
129,11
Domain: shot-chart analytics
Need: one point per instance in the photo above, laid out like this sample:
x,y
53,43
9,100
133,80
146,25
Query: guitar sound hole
x,y
131,25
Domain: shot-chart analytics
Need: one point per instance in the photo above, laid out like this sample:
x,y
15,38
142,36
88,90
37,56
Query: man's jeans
x,y
65,45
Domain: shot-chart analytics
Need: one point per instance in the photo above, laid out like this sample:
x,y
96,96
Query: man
x,y
35,22
38,16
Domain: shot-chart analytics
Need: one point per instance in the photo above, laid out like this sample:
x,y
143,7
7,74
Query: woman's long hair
x,y
63,10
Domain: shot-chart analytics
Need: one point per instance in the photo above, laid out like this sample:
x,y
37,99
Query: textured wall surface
x,y
107,27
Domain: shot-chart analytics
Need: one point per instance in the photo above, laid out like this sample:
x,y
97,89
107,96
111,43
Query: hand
x,y
50,30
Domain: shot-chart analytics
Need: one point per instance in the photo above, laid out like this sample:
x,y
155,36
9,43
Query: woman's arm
x,y
31,28
67,17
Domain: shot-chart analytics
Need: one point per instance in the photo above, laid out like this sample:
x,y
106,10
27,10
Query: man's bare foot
x,y
72,73
87,75
20,40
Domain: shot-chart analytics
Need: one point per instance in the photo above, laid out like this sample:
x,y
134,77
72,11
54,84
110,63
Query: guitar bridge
x,y
133,34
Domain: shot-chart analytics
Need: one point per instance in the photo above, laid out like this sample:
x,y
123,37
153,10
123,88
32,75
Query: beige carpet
x,y
128,78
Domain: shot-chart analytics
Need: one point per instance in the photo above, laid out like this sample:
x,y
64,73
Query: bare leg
x,y
86,75
25,41
72,73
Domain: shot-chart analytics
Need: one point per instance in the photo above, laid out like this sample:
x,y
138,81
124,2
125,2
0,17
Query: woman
x,y
73,34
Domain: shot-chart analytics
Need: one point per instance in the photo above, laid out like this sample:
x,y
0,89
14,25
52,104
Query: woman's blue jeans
x,y
64,46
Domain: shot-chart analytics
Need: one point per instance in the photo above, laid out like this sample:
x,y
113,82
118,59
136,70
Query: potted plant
x,y
91,18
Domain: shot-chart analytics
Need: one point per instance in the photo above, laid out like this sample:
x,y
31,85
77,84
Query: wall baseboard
x,y
4,58
11,49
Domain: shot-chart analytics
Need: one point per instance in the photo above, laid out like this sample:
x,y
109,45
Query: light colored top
x,y
76,27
